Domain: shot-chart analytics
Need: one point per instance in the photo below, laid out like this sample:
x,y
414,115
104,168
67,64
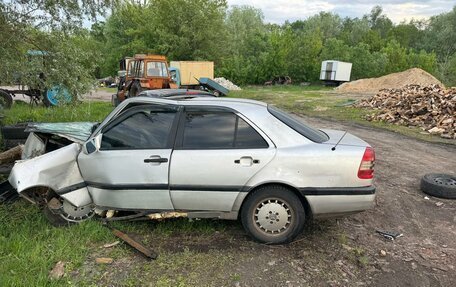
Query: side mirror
x,y
94,127
92,145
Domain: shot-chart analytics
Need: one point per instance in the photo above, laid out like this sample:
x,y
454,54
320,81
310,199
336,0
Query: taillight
x,y
366,168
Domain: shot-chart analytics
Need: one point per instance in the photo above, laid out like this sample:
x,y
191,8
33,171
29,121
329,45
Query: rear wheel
x,y
273,215
135,89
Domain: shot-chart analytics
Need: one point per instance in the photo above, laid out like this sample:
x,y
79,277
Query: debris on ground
x,y
280,80
414,76
227,84
391,235
104,260
109,245
133,243
11,155
431,108
382,253
58,271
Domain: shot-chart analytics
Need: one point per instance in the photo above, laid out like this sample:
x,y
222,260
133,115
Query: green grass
x,y
30,247
81,111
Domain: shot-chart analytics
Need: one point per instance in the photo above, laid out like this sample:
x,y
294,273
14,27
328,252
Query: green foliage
x,y
52,28
244,48
86,111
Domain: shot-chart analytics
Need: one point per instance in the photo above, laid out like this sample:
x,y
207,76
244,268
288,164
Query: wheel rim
x,y
58,95
445,181
75,214
273,216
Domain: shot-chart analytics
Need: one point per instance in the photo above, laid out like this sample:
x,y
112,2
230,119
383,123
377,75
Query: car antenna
x,y
334,147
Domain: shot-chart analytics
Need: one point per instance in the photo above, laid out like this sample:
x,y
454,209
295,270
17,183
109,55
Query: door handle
x,y
155,159
247,160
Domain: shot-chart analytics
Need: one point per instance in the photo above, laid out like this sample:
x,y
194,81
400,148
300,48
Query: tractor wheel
x,y
56,96
135,90
6,100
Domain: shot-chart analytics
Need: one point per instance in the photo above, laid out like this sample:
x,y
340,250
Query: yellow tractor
x,y
142,72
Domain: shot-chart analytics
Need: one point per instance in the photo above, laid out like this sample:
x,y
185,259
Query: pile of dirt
x,y
414,76
431,108
227,84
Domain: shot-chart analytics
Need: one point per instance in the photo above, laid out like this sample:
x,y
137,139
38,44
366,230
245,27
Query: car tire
x,y
6,100
273,215
439,185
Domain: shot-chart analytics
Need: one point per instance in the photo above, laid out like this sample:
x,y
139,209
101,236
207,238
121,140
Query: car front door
x,y
217,151
130,169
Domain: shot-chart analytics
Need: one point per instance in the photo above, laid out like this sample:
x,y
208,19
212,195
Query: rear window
x,y
309,132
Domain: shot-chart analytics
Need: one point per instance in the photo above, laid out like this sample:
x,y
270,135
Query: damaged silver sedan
x,y
202,158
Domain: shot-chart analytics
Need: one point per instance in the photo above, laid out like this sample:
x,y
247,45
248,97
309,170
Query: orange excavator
x,y
142,72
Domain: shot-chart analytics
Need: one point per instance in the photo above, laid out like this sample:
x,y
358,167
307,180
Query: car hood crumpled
x,y
77,132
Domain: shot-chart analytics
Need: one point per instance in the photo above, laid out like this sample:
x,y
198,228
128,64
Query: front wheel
x,y
273,215
60,212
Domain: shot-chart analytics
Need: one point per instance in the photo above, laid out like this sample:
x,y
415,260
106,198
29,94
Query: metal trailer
x,y
212,85
335,72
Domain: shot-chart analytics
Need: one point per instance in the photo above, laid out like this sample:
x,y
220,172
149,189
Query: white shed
x,y
335,71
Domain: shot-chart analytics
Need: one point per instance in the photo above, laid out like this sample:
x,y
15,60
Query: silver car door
x,y
216,154
130,170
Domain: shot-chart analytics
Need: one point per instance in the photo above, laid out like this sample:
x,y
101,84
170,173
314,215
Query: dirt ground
x,y
335,252
426,254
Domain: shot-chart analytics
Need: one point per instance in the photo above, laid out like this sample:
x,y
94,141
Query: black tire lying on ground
x,y
439,185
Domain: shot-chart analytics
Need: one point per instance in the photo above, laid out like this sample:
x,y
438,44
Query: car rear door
x,y
131,169
217,151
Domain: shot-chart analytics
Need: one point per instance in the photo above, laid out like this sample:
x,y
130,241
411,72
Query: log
x,y
431,108
11,155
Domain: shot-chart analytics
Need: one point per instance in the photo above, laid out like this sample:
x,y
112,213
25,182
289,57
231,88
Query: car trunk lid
x,y
343,138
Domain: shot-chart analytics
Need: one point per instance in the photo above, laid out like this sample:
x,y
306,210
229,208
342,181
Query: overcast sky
x,y
277,11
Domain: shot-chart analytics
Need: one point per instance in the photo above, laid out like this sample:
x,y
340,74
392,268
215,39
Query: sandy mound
x,y
391,81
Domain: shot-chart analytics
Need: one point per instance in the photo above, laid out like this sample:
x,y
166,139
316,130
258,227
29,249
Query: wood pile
x,y
432,108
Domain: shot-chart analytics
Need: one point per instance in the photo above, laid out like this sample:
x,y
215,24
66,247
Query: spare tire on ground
x,y
439,185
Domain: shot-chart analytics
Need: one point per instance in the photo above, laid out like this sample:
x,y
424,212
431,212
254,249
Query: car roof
x,y
175,93
220,101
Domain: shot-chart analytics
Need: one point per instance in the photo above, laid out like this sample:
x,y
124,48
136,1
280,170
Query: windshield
x,y
309,132
156,69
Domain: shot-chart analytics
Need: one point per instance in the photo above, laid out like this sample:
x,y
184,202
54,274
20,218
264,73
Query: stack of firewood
x,y
431,108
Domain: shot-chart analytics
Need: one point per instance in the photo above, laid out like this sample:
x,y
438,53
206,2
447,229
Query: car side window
x,y
141,130
248,137
219,130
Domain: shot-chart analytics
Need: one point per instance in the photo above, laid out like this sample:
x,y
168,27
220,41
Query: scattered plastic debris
x,y
391,235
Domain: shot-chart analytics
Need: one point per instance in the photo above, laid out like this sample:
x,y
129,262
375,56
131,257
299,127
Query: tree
x,y
246,46
51,27
379,22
